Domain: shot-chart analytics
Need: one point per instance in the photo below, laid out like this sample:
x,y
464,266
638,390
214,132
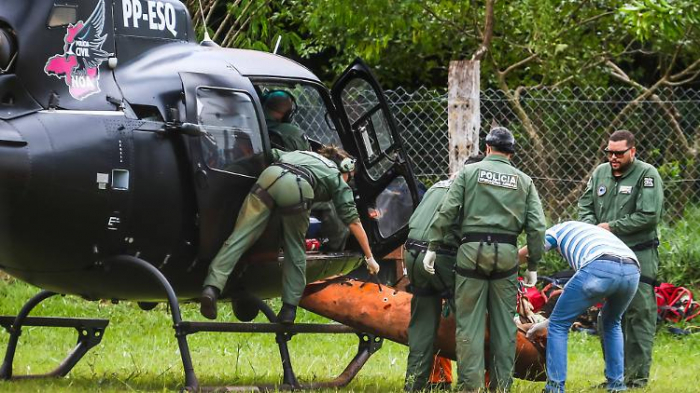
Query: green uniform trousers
x,y
425,315
286,189
639,322
473,298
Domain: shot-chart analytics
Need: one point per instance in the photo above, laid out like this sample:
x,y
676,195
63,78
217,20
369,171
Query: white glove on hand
x,y
429,261
530,278
372,265
537,329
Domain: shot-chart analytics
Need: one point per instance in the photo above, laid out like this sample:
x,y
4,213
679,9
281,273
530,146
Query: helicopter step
x,y
90,332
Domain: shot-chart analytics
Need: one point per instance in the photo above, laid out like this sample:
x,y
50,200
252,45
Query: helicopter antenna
x,y
277,45
206,39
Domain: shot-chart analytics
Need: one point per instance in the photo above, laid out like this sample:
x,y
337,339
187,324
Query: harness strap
x,y
653,243
263,195
421,246
489,238
296,208
299,171
474,273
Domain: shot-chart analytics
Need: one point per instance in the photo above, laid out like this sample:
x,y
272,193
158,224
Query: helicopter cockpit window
x,y
367,118
62,15
311,114
232,142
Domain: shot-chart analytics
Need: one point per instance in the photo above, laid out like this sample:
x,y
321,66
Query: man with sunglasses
x,y
625,197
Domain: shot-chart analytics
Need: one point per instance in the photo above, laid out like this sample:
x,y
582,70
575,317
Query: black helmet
x,y
502,139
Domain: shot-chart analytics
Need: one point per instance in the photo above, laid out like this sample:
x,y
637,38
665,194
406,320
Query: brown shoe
x,y
207,303
287,314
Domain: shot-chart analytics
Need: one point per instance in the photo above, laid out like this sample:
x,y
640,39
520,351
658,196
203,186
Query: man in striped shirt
x,y
605,269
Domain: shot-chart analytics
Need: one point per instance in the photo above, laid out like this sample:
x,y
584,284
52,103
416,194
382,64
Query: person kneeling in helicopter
x,y
289,186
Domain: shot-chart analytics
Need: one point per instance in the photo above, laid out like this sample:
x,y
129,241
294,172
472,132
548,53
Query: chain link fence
x,y
560,134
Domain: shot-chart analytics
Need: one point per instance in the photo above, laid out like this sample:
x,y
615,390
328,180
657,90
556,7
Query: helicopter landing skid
x,y
90,332
368,345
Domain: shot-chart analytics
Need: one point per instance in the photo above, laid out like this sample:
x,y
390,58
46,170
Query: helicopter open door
x,y
384,179
226,158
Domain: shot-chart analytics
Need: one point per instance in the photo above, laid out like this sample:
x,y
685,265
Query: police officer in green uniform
x,y
279,106
428,289
494,202
626,197
288,187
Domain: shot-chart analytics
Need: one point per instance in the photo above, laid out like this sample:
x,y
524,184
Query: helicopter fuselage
x,y
96,160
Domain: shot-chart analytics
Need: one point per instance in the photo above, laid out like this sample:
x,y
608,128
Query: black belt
x,y
649,280
423,246
488,238
474,273
299,171
623,260
653,243
428,292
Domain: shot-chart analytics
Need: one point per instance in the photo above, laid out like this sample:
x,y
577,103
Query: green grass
x,y
139,353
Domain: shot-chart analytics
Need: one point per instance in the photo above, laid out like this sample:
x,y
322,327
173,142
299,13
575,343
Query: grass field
x,y
139,353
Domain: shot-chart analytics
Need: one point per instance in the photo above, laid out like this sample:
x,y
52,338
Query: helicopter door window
x,y
120,179
232,142
367,118
62,15
393,207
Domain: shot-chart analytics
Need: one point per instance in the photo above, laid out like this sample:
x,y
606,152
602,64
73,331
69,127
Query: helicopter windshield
x,y
311,114
233,142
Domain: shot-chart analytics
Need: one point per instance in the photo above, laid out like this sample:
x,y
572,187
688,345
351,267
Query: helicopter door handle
x,y
190,129
201,179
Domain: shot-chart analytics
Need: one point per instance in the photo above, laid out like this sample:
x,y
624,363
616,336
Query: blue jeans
x,y
601,279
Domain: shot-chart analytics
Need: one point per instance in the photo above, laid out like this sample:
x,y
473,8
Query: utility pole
x,y
463,111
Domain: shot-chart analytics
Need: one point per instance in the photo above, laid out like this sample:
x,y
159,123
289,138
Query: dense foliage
x,y
410,43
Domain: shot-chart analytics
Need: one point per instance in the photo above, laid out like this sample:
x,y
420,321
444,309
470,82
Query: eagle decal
x,y
79,65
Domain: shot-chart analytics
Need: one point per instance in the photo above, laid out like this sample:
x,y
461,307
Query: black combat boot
x,y
207,303
287,314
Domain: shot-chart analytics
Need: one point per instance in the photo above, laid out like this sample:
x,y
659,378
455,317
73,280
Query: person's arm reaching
x,y
358,231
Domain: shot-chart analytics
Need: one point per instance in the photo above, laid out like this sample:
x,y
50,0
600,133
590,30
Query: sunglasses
x,y
616,153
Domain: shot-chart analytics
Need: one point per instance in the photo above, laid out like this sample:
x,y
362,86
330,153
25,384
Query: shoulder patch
x,y
443,184
649,182
504,180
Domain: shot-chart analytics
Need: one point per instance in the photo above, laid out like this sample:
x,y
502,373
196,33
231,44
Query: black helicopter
x,y
127,148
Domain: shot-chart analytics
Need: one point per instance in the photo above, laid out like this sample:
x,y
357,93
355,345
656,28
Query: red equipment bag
x,y
675,304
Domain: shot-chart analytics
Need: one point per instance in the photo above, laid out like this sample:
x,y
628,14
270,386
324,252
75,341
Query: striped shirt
x,y
581,243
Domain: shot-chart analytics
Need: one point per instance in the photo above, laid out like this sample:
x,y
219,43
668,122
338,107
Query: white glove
x,y
530,278
429,261
372,265
537,329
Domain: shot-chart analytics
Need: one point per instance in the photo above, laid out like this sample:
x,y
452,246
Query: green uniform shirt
x,y
329,182
427,211
492,196
631,204
293,138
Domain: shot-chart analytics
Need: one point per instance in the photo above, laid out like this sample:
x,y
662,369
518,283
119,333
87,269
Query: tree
x,y
523,45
